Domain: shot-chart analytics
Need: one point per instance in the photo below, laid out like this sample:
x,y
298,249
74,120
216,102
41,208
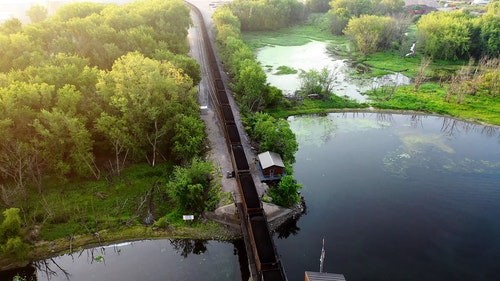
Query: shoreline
x,y
217,230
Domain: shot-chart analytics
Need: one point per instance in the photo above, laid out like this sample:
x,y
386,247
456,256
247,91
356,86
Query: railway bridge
x,y
263,258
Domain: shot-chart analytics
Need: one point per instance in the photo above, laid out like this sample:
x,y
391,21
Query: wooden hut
x,y
270,166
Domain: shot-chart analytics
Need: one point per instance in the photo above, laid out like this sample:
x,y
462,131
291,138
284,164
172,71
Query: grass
x,y
68,215
313,30
83,207
310,106
390,62
78,207
431,98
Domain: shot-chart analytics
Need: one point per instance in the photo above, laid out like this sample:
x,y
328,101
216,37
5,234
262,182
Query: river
x,y
396,197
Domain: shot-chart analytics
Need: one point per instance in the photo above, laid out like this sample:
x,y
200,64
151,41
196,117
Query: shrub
x,y
16,248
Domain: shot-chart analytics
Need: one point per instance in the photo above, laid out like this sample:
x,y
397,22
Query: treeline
x,y
375,26
99,32
457,35
254,94
256,15
94,87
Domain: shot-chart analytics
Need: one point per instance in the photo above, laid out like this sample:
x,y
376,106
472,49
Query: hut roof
x,y
268,159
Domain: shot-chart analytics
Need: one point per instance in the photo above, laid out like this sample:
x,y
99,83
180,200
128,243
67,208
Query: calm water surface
x,y
396,197
150,260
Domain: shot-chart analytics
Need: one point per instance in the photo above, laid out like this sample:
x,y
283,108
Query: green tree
x,y
349,8
37,13
11,244
189,65
317,82
267,14
11,224
236,52
488,28
250,85
309,82
78,10
388,7
193,189
142,98
62,138
169,19
318,6
286,193
188,138
273,135
223,16
369,33
444,35
11,26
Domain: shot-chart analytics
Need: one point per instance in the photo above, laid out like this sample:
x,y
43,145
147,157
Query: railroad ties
x,y
254,220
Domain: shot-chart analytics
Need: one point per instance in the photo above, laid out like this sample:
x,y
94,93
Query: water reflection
x,y
187,246
167,259
289,228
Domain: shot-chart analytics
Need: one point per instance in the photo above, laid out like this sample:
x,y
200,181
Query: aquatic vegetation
x,y
414,143
431,152
285,70
357,125
307,128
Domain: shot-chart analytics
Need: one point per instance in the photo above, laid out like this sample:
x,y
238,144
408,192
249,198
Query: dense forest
x,y
91,100
96,83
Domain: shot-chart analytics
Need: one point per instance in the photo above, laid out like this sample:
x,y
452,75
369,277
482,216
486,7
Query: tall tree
x,y
368,33
11,26
251,83
37,13
143,96
444,35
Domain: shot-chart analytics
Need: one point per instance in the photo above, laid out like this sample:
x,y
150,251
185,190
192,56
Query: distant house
x,y
270,166
322,276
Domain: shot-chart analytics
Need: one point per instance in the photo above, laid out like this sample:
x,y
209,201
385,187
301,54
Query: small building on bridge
x,y
270,166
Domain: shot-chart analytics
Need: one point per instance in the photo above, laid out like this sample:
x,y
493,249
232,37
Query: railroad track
x,y
267,262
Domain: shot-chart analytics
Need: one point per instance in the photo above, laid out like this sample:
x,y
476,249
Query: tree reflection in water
x,y
189,246
50,268
288,228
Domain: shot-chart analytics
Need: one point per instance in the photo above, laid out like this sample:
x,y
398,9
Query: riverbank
x,y
221,225
204,230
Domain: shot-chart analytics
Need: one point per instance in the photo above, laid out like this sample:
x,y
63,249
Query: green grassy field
x,y
313,30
